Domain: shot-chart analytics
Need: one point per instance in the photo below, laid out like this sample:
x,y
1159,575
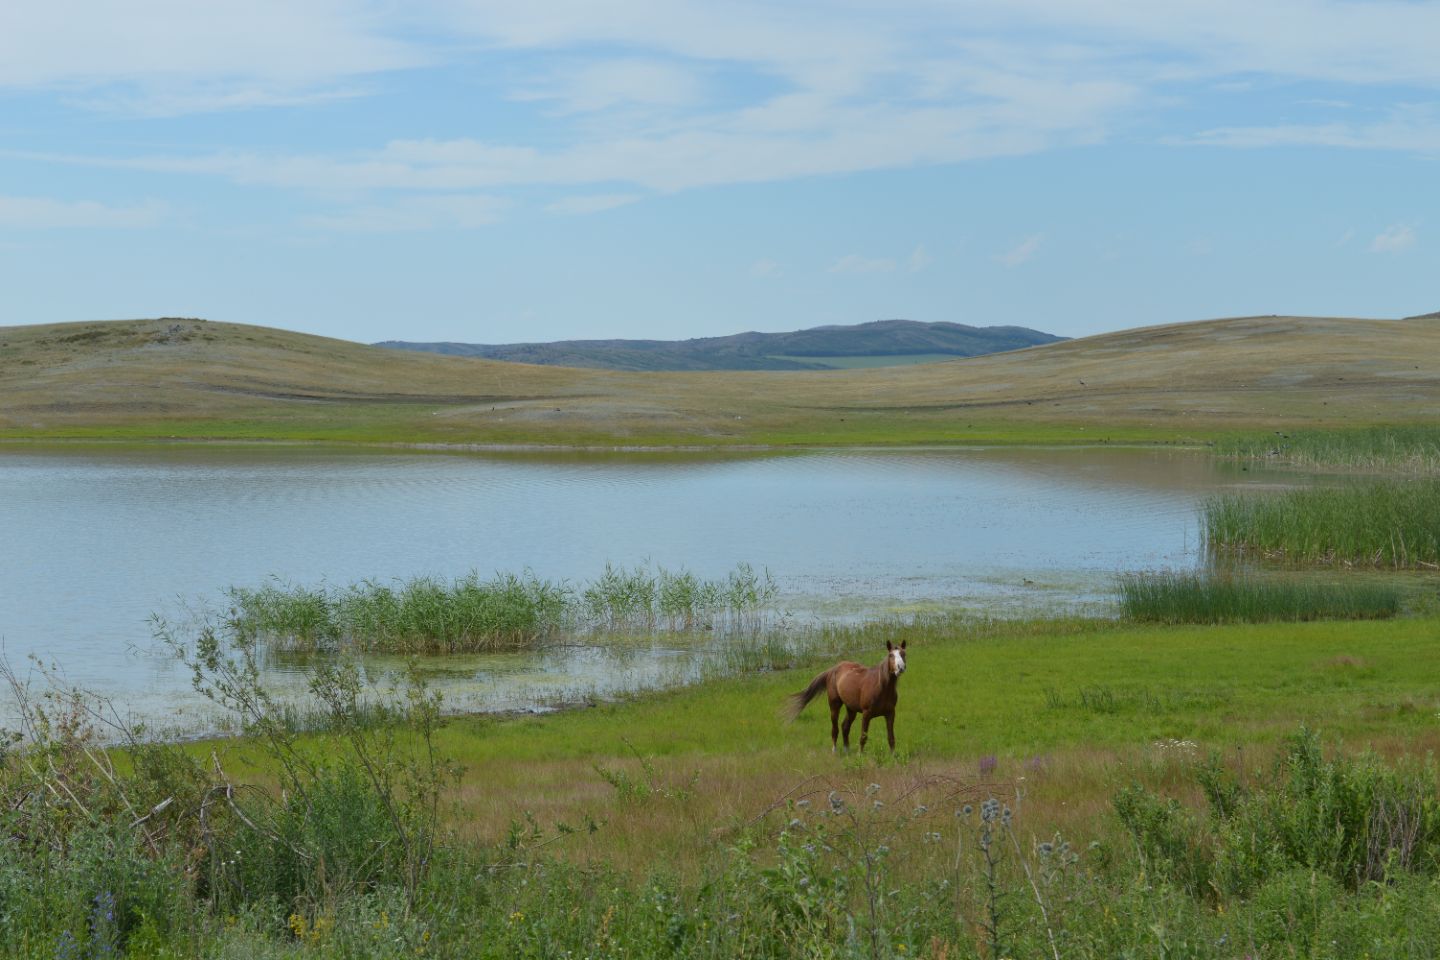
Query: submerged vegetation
x,y
1389,523
508,611
1409,448
1170,597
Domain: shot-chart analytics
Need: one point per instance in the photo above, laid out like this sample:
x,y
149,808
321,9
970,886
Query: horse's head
x,y
895,658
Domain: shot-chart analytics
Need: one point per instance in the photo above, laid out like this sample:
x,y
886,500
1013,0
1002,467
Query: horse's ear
x,y
902,644
888,646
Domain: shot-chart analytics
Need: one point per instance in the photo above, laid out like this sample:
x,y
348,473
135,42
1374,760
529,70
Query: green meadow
x,y
1086,788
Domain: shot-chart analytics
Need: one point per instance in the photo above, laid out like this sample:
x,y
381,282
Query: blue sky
x,y
495,171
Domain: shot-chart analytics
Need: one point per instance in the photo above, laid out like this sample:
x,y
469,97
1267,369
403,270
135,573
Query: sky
x,y
489,171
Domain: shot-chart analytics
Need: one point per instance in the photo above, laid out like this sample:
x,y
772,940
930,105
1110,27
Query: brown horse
x,y
868,692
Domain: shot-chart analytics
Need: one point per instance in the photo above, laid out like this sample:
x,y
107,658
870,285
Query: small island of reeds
x,y
471,614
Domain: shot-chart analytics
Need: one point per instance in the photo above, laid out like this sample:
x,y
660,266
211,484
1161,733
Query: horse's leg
x,y
890,729
835,724
864,729
849,719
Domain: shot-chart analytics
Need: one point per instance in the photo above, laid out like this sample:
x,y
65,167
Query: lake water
x,y
95,540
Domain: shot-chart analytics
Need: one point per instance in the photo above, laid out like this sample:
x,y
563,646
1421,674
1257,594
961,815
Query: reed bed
x,y
1390,524
1169,597
426,615
1412,449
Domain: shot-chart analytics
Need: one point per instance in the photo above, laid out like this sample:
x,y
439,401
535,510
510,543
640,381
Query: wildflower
x,y
1046,849
873,789
802,804
920,811
516,917
967,809
837,802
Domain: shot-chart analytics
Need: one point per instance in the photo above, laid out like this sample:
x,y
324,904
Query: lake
x,y
97,539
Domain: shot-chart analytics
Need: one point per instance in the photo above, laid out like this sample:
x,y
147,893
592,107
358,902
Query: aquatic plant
x,y
505,612
1380,523
1173,597
1409,448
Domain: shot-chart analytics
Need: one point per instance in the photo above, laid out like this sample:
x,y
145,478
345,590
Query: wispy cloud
x,y
765,269
594,203
44,213
1022,252
458,212
1395,238
919,259
854,263
1406,127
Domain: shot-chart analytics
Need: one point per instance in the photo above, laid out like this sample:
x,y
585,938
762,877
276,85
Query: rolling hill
x,y
882,343
180,378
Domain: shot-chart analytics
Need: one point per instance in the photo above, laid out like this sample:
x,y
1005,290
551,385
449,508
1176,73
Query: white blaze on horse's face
x,y
897,661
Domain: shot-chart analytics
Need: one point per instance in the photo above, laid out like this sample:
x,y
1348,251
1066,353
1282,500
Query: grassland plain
x,y
186,379
1064,709
1049,799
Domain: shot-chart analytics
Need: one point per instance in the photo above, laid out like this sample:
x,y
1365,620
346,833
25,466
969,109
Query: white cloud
x,y
854,263
43,213
1022,252
1408,128
920,259
458,212
765,269
608,84
124,52
594,203
1395,238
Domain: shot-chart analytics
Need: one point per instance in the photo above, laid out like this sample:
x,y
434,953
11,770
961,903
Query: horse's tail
x,y
797,701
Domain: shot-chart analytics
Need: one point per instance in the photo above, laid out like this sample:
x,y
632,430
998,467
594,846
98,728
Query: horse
x,y
868,692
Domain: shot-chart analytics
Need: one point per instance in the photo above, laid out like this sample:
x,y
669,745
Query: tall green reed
x,y
1380,523
1170,597
1411,448
504,612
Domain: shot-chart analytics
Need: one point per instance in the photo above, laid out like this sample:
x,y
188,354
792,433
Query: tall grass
x,y
426,615
1411,448
421,615
1392,524
1212,598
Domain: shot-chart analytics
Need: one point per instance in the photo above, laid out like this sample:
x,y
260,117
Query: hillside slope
x,y
185,378
884,342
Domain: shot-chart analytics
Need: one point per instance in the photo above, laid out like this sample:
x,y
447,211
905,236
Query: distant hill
x,y
1426,316
883,343
186,378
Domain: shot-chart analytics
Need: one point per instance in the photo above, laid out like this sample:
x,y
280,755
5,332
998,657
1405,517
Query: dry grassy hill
x,y
188,378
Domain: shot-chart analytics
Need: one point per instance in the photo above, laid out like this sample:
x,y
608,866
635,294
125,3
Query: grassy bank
x,y
1392,524
1053,795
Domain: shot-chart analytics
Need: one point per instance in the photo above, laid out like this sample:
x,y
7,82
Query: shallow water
x,y
98,539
